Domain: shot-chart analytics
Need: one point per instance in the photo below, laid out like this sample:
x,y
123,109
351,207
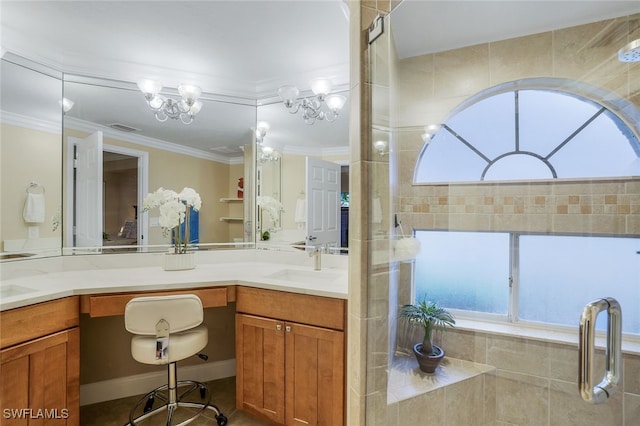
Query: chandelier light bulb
x,y
149,87
289,94
196,107
189,93
66,104
336,102
320,86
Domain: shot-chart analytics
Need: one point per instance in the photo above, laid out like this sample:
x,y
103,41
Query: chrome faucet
x,y
317,258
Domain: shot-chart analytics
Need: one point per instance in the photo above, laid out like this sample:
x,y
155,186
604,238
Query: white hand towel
x,y
376,214
300,216
33,211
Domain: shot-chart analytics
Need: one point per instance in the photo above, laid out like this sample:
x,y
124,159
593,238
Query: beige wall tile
x,y
518,355
466,345
467,394
521,399
426,409
631,370
522,57
567,407
461,72
588,52
631,409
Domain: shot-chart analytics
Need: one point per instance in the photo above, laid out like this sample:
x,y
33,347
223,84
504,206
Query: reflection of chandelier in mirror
x,y
312,107
381,147
265,153
66,105
184,109
429,132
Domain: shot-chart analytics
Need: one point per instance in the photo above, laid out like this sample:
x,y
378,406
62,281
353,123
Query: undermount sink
x,y
14,290
296,275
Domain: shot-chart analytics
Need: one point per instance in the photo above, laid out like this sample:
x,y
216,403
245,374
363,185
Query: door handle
x,y
613,352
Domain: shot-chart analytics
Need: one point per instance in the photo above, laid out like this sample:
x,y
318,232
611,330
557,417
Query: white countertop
x,y
26,282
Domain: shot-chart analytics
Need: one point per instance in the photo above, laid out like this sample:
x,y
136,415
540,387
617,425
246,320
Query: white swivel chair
x,y
168,329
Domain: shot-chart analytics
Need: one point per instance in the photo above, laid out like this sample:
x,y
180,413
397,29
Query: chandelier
x,y
184,109
264,152
321,106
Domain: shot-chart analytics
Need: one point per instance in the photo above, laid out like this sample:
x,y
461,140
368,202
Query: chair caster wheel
x,y
149,405
222,420
203,392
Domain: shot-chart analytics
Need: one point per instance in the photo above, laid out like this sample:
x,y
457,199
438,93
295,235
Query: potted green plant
x,y
430,316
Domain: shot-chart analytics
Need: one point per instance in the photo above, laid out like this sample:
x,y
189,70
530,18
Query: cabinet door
x,y
314,376
41,381
260,366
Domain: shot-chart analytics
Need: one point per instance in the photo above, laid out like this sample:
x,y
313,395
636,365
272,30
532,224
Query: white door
x,y
88,198
323,202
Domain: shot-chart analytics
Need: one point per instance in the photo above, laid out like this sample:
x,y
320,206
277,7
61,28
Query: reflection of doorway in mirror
x,y
120,199
120,218
323,202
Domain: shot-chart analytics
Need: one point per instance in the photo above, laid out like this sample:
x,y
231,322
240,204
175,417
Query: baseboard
x,y
140,384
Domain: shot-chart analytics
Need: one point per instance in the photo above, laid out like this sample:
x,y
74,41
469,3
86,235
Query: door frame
x,y
143,189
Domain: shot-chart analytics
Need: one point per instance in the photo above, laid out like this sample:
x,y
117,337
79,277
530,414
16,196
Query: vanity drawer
x,y
31,322
301,308
113,304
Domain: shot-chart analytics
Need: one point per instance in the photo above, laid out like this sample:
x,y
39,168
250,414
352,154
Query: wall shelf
x,y
230,200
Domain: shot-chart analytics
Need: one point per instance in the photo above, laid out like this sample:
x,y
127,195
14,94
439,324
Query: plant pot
x,y
428,363
178,261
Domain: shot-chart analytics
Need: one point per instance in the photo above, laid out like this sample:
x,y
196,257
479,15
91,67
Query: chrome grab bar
x,y
613,352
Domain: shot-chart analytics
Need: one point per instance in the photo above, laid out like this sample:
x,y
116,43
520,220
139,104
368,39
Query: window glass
x,y
594,152
464,270
488,125
559,275
468,165
518,166
547,118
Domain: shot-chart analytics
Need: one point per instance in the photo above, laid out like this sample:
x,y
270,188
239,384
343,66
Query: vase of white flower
x,y
175,209
271,208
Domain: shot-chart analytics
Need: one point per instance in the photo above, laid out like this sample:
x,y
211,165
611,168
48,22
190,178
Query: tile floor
x,y
223,395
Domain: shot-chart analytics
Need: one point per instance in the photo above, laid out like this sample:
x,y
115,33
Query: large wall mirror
x,y
88,163
140,154
31,153
287,156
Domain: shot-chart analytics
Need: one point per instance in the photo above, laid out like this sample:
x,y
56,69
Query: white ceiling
x,y
246,49
242,48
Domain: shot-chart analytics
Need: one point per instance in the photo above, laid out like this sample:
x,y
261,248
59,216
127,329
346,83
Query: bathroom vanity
x,y
297,315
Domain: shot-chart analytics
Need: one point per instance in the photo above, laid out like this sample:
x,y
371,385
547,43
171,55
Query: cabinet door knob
x,y
278,327
288,329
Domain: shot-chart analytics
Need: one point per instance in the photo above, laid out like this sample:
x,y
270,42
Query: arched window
x,y
534,129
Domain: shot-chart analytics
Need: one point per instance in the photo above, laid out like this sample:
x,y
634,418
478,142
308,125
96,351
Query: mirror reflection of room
x,y
206,145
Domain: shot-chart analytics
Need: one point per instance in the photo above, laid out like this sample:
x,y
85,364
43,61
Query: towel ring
x,y
33,187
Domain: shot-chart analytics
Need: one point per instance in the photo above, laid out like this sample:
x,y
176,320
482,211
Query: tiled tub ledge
x,y
407,381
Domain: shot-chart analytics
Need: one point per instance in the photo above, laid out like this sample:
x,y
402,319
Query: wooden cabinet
x,y
41,376
260,366
290,357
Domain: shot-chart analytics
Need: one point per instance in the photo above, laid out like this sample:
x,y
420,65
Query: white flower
x,y
172,214
270,206
191,197
156,199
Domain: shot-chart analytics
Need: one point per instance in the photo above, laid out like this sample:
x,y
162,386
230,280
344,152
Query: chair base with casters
x,y
181,315
172,400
